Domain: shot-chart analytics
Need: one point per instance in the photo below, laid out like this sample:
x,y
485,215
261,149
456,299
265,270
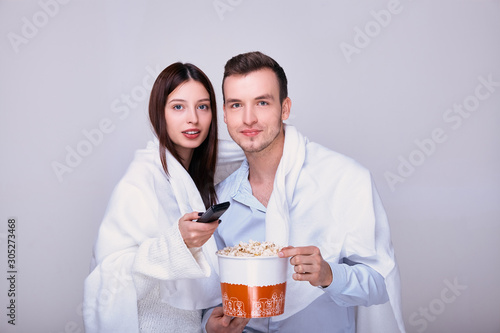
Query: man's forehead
x,y
265,78
260,71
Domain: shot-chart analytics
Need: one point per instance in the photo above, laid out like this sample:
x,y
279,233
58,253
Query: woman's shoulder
x,y
145,167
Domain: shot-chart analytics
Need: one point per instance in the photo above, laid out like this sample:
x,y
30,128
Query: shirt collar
x,y
242,191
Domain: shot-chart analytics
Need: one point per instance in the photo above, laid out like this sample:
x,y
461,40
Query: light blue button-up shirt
x,y
331,312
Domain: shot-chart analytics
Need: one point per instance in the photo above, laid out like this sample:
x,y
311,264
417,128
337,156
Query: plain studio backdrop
x,y
410,89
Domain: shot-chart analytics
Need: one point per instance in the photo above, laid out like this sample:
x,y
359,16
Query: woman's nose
x,y
192,116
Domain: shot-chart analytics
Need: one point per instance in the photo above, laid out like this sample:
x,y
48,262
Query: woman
x,y
150,268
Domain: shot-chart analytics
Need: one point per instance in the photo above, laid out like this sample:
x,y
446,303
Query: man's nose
x,y
249,116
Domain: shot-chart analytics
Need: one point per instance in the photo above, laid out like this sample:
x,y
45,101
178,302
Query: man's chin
x,y
252,145
249,147
253,148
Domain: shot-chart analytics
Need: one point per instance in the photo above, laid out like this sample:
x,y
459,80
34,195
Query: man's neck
x,y
262,170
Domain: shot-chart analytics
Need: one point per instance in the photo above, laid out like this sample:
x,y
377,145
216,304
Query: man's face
x,y
252,110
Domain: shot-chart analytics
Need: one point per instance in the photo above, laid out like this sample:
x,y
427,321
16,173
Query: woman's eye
x,y
203,107
177,107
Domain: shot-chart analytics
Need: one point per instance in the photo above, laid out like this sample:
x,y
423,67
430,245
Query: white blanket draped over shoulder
x,y
139,244
365,240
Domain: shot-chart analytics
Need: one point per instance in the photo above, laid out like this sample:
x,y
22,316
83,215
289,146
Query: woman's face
x,y
188,115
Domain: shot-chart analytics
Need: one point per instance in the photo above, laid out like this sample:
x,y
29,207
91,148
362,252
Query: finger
x,y
190,216
211,226
239,323
307,250
226,321
305,260
218,312
300,269
302,276
301,250
208,227
286,252
306,268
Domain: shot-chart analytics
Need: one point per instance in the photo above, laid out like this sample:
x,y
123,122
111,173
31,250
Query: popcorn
x,y
251,249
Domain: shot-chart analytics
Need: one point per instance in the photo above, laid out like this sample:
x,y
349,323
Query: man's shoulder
x,y
326,172
321,157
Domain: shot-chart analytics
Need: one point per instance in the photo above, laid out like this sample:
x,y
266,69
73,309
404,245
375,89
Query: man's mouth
x,y
250,132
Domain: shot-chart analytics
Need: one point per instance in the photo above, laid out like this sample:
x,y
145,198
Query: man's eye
x,y
262,103
235,105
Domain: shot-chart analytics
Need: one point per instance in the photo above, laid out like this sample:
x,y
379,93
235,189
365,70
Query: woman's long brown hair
x,y
202,166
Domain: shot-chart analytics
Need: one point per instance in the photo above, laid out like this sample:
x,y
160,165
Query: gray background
x,y
380,81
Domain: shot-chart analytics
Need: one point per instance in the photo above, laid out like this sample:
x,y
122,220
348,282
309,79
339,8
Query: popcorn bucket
x,y
253,287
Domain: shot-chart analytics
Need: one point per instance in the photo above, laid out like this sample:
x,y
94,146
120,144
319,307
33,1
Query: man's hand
x,y
195,234
220,323
308,264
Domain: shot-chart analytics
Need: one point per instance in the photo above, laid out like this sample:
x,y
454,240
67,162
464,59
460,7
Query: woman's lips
x,y
191,133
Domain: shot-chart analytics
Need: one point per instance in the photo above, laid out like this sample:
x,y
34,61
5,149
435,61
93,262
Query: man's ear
x,y
285,108
224,109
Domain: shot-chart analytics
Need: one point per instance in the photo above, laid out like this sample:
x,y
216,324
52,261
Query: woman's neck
x,y
186,154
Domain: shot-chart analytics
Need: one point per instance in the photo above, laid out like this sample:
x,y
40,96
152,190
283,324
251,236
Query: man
x,y
319,202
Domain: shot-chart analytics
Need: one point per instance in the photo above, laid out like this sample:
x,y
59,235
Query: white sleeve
x,y
110,301
356,284
369,243
131,257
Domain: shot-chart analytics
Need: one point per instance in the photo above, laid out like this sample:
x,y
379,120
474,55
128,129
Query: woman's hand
x,y
195,234
220,323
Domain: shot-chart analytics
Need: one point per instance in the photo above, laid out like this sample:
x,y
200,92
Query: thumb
x,y
226,320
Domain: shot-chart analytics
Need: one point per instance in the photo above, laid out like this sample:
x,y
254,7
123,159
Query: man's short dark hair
x,y
246,63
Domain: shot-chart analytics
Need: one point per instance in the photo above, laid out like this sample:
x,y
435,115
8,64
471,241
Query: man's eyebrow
x,y
266,96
